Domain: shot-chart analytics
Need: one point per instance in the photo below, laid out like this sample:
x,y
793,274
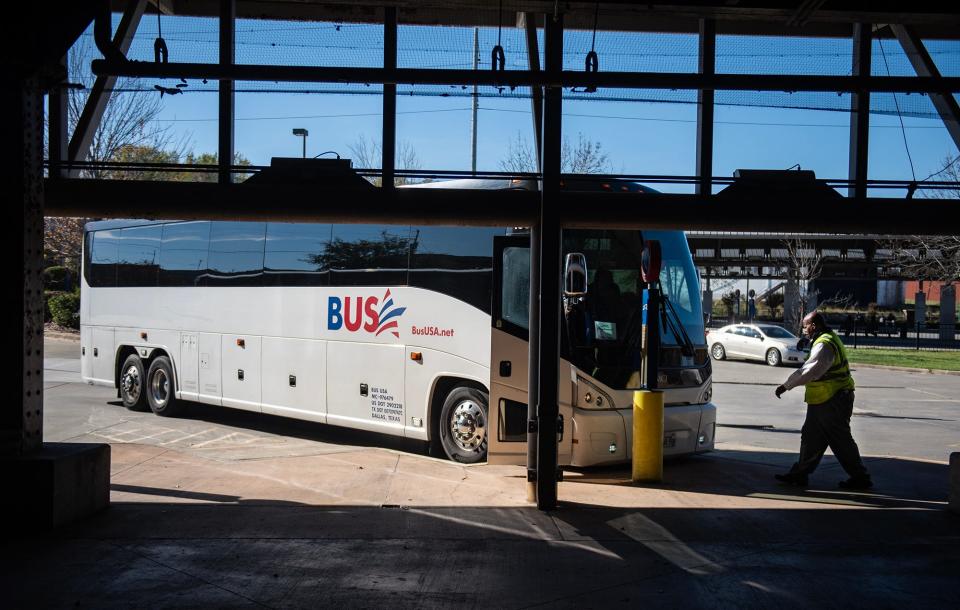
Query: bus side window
x,y
456,261
368,255
236,254
103,259
296,254
183,253
138,257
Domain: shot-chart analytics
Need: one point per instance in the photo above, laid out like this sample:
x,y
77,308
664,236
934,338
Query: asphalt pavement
x,y
225,508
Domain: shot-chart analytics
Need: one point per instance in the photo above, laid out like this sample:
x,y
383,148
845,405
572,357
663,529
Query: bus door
x,y
509,353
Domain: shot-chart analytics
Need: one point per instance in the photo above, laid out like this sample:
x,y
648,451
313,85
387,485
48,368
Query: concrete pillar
x,y
791,304
707,298
920,309
811,300
948,312
955,482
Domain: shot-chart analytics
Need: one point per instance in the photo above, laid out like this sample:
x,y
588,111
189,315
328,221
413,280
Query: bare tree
x,y
368,154
584,157
129,118
63,240
931,257
804,265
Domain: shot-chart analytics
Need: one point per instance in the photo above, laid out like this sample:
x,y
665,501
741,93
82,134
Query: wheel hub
x,y
160,387
467,426
130,382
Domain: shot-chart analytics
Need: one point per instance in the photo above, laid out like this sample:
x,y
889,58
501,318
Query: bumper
x,y
605,437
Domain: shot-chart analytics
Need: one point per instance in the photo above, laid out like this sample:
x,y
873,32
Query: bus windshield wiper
x,y
676,326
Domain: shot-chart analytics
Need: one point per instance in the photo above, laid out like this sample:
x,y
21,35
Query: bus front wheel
x,y
159,390
463,425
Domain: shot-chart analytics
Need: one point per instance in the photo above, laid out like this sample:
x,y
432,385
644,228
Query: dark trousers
x,y
828,425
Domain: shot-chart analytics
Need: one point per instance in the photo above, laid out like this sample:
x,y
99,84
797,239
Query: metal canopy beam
x,y
389,140
524,78
536,93
228,12
860,112
708,62
180,200
946,105
100,93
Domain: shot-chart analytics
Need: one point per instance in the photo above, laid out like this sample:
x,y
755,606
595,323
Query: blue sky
x,y
639,137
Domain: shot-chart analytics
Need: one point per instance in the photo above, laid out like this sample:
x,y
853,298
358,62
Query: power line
x,y
570,114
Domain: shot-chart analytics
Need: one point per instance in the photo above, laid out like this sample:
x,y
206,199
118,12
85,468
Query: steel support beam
x,y
860,112
389,148
548,331
146,199
708,63
225,148
96,104
525,78
924,65
21,417
536,93
536,240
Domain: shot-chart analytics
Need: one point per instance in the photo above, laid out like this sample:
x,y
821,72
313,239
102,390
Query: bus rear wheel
x,y
132,379
159,390
463,425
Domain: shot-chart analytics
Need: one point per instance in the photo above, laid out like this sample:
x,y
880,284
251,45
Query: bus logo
x,y
354,312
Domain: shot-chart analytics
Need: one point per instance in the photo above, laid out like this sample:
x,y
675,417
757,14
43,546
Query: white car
x,y
766,342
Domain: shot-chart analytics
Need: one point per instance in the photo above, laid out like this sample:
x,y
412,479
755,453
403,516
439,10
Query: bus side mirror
x,y
575,275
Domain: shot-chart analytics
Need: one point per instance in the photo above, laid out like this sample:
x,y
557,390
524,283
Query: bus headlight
x,y
707,394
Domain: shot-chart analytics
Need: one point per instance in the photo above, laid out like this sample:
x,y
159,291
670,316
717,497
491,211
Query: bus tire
x,y
132,381
160,390
718,352
463,425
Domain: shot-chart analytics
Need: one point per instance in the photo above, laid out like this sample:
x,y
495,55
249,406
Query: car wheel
x,y
159,388
773,357
463,425
132,380
718,352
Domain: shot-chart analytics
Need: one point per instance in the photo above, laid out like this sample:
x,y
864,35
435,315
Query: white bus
x,y
414,331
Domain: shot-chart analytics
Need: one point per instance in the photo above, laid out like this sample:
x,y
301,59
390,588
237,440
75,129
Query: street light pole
x,y
299,131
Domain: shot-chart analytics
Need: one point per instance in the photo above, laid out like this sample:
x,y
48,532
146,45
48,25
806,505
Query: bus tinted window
x,y
183,255
368,255
103,259
295,254
236,254
138,256
456,261
515,291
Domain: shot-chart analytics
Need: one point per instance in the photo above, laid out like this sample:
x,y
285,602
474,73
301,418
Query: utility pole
x,y
476,99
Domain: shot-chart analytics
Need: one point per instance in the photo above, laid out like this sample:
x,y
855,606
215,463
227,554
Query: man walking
x,y
829,398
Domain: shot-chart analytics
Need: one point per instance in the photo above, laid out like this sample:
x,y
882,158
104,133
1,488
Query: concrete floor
x,y
263,512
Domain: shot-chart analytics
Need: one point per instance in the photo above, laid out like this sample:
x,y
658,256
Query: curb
x,y
52,334
907,369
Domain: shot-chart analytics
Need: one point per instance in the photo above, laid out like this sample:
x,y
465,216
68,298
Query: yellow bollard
x,y
647,436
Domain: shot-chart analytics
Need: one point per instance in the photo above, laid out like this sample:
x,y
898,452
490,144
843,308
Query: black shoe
x,y
792,478
862,482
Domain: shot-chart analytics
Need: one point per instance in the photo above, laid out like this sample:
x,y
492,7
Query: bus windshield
x,y
603,329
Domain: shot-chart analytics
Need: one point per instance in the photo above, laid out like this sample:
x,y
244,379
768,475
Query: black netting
x,y
261,42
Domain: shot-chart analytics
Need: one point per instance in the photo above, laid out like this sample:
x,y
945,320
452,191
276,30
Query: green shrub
x,y
47,295
58,278
65,309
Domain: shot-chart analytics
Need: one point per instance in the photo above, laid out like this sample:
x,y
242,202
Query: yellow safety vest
x,y
837,376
